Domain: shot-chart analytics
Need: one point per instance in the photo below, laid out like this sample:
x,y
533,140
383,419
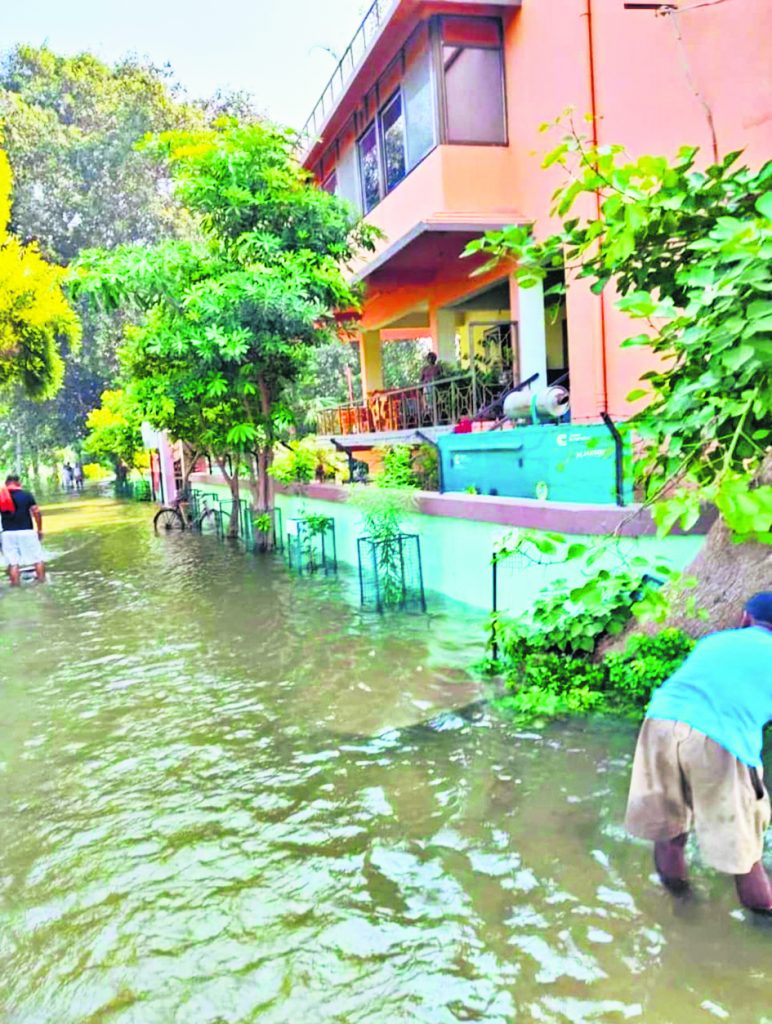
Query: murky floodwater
x,y
226,796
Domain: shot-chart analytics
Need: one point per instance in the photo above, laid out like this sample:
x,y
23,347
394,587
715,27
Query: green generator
x,y
588,463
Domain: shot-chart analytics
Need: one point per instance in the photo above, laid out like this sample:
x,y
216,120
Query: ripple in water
x,y
227,796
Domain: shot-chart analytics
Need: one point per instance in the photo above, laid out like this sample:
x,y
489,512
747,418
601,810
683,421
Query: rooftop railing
x,y
352,57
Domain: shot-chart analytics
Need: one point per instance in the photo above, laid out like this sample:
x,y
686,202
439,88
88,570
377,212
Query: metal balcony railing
x,y
352,57
443,403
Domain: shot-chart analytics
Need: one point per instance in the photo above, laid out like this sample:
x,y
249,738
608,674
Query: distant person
x,y
698,760
20,539
121,472
68,476
78,476
431,369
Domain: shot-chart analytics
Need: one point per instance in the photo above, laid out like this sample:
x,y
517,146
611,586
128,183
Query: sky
x,y
276,49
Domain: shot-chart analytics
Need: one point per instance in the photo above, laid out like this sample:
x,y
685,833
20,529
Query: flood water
x,y
226,796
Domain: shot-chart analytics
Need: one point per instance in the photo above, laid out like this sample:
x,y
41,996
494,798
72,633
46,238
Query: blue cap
x,y
760,607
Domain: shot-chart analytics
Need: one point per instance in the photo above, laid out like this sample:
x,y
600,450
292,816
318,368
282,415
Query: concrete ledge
x,y
560,517
556,516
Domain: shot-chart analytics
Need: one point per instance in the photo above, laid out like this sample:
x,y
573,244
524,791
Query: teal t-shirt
x,y
724,689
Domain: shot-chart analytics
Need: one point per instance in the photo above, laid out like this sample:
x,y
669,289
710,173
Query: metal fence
x,y
391,573
441,403
311,546
352,57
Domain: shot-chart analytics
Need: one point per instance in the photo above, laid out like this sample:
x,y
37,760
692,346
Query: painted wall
x,y
456,553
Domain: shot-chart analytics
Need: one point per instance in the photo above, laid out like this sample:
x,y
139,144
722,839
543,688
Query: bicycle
x,y
177,515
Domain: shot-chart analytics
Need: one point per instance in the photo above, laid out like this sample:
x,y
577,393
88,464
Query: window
x,y
330,184
473,75
418,99
347,177
393,133
369,168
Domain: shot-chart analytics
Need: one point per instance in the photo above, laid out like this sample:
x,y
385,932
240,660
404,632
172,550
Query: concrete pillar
x,y
527,306
166,459
371,361
442,324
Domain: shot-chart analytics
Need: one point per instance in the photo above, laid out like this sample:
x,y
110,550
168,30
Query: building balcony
x,y
420,148
426,408
454,195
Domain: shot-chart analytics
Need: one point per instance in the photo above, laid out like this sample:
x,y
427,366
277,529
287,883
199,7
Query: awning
x,y
434,243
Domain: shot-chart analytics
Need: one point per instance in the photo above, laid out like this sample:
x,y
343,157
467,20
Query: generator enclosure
x,y
552,462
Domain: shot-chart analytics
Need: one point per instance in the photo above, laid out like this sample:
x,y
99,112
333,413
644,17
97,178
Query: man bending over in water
x,y
20,541
698,759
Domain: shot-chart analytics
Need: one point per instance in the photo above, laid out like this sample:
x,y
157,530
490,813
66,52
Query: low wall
x,y
459,533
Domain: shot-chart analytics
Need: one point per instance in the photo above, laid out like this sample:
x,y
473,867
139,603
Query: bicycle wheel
x,y
168,519
207,518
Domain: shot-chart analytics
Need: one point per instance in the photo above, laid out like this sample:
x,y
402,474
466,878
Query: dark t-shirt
x,y
20,518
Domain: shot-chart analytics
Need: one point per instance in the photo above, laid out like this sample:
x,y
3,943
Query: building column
x,y
371,361
166,454
527,305
442,325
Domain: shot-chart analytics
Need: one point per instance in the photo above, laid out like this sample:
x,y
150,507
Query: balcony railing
x,y
442,403
352,57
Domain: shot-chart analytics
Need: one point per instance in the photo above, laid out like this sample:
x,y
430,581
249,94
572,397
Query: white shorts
x,y
21,547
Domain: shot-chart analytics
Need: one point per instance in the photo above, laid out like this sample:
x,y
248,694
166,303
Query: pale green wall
x,y
457,553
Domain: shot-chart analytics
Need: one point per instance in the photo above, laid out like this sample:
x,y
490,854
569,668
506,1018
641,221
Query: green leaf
x,y
764,205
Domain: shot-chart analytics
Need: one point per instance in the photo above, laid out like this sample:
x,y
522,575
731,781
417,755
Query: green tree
x,y
71,126
687,251
239,309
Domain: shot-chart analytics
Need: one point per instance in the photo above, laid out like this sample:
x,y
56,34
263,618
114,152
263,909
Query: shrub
x,y
646,663
549,684
397,471
426,465
572,622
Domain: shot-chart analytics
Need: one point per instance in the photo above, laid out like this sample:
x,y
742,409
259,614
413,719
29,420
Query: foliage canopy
x,y
689,252
233,313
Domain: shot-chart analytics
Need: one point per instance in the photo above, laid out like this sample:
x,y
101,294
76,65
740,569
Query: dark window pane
x,y
368,166
474,90
331,184
393,128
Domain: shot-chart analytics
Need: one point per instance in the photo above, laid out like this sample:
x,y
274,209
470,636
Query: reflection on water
x,y
227,796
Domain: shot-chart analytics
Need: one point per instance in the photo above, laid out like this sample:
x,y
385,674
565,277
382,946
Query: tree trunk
x,y
191,457
265,488
265,454
232,479
727,575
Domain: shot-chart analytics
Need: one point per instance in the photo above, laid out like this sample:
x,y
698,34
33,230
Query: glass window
x,y
330,184
474,94
369,168
393,130
348,179
418,99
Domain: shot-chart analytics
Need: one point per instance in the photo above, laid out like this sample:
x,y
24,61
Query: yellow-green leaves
x,y
35,317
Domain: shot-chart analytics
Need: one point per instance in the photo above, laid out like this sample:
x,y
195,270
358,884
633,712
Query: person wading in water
x,y
698,759
20,540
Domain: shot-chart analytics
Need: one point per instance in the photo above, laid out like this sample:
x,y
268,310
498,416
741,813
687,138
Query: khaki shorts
x,y
683,779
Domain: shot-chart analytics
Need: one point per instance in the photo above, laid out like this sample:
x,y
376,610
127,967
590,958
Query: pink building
x,y
430,127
